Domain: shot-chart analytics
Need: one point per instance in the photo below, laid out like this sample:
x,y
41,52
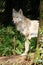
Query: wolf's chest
x,y
23,28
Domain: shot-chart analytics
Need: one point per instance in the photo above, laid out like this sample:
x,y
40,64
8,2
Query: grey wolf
x,y
29,28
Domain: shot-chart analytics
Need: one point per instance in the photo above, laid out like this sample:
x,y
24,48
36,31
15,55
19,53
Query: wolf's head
x,y
17,16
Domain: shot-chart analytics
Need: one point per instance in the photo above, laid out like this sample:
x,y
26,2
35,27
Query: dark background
x,y
31,9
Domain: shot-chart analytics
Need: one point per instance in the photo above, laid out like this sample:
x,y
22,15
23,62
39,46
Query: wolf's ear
x,y
21,12
14,10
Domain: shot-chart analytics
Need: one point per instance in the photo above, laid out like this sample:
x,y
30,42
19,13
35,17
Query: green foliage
x,y
7,35
2,3
33,44
6,43
12,41
41,31
39,49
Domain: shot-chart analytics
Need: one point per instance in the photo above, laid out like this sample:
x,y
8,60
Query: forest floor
x,y
17,60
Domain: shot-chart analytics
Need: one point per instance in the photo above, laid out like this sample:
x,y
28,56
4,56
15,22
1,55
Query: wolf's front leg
x,y
27,42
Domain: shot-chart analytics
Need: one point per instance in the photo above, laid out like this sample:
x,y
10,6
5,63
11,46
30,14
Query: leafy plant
x,y
7,35
33,44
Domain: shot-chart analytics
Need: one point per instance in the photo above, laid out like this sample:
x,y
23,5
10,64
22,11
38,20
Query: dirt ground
x,y
16,60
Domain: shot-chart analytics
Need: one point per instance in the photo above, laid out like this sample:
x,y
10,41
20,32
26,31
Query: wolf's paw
x,y
23,54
